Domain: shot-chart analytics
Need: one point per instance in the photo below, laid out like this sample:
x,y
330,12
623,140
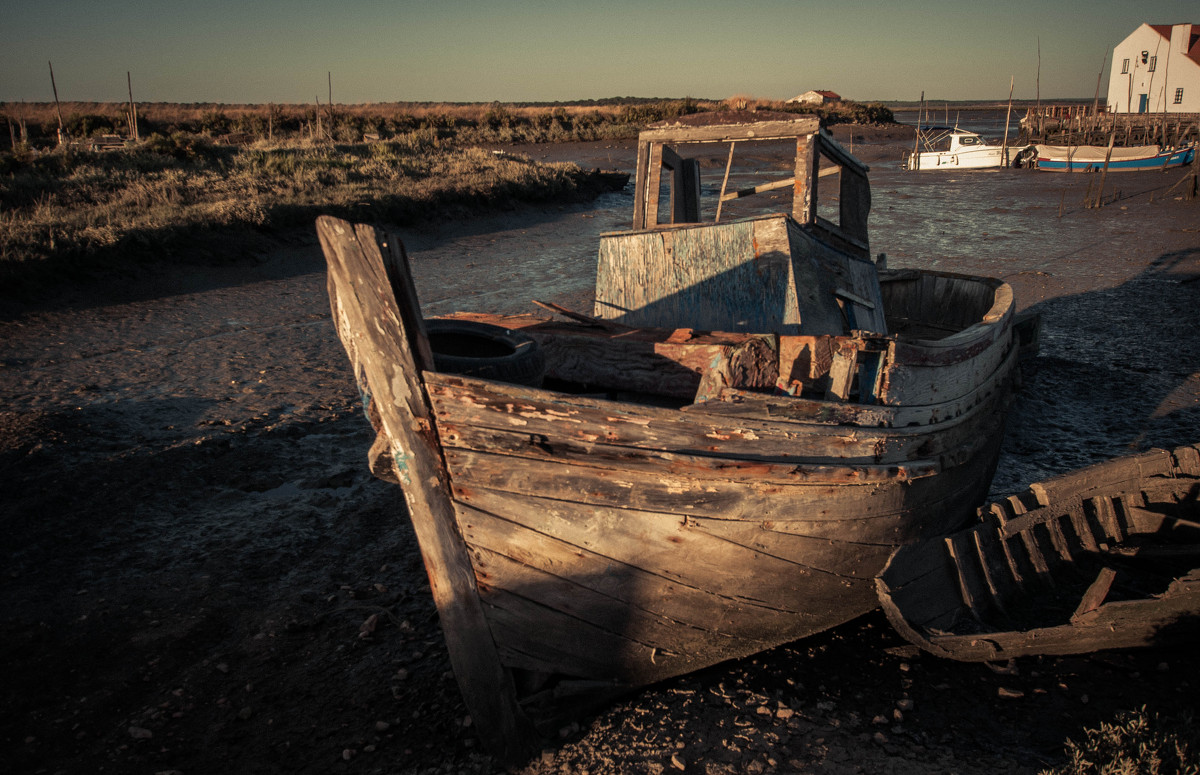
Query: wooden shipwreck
x,y
720,459
1100,558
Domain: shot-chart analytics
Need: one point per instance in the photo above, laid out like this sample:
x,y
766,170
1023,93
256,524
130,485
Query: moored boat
x,y
719,460
951,149
1101,558
1096,158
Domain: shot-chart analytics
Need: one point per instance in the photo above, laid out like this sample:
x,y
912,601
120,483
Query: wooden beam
x,y
761,130
804,197
375,311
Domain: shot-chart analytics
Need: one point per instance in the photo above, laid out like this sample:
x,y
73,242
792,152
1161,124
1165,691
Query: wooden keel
x,y
375,310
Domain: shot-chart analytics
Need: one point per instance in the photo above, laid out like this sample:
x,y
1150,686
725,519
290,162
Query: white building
x,y
1156,70
818,97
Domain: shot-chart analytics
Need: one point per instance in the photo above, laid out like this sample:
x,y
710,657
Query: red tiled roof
x,y
1193,50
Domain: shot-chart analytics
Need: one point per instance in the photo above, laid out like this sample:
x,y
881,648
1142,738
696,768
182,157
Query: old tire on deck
x,y
488,352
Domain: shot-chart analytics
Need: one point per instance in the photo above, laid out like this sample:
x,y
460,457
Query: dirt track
x,y
199,573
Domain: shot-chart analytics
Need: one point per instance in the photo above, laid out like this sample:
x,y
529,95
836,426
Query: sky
x,y
286,51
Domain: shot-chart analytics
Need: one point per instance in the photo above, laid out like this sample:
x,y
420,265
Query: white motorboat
x,y
956,149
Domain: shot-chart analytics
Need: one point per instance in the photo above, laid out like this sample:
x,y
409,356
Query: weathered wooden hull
x,y
680,497
626,544
616,544
1105,557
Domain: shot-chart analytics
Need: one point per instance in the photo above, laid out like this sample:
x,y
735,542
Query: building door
x,y
1143,103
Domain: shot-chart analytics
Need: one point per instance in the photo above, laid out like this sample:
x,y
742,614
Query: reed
x,y
72,210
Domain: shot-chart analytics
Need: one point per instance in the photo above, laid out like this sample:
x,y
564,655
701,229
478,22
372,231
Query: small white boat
x,y
956,149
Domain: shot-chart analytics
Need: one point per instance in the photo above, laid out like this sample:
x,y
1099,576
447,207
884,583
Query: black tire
x,y
485,351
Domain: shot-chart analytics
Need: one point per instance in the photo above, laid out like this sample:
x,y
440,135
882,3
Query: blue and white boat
x,y
1091,158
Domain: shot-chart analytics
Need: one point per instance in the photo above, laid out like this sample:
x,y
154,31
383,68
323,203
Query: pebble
x,y
677,762
382,726
905,704
880,738
1011,694
140,733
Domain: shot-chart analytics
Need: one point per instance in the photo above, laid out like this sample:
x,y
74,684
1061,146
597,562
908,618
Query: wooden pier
x,y
1083,125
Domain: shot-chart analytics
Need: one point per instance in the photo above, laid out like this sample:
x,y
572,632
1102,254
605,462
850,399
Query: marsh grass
x,y
73,209
207,168
1135,743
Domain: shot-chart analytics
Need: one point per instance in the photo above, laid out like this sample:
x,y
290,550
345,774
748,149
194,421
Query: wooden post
x,y
916,157
133,128
724,182
377,316
330,75
57,108
1104,173
1007,118
804,193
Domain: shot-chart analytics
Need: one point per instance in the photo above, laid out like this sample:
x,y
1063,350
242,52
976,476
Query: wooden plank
x,y
647,591
462,401
751,365
968,582
844,557
662,492
988,555
759,130
1125,624
759,189
639,629
1095,594
854,206
804,193
1104,477
540,639
641,184
674,549
687,184
841,374
653,185
1038,560
523,446
373,301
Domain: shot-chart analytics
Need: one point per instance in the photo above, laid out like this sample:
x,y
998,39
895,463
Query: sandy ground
x,y
199,573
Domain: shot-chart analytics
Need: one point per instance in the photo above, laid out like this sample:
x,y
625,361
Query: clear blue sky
x,y
236,51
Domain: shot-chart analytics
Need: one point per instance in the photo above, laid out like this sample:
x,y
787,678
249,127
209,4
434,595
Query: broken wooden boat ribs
x,y
721,457
1100,558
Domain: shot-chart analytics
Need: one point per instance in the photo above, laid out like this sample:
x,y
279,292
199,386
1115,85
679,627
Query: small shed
x,y
817,97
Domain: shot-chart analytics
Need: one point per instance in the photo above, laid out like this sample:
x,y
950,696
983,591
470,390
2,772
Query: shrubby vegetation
x,y
204,167
1135,743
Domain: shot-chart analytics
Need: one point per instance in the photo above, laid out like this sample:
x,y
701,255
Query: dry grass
x,y
1136,743
84,208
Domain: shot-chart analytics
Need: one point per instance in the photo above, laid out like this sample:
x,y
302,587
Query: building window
x,y
1153,62
1125,66
1179,96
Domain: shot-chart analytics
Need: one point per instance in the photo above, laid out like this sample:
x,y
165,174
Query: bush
x,y
1137,743
181,146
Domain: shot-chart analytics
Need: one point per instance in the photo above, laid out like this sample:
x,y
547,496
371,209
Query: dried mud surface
x,y
200,574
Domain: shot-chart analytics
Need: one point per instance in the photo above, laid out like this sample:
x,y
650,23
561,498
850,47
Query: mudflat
x,y
200,573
